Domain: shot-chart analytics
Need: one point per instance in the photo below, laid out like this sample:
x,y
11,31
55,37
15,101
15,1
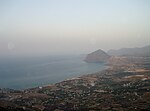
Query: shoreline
x,y
105,67
22,77
121,87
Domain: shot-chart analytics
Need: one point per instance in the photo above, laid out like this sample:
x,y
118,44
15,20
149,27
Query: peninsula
x,y
124,86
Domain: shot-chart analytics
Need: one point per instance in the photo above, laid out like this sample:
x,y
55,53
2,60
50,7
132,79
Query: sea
x,y
28,72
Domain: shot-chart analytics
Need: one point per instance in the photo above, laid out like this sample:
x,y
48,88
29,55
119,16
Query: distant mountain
x,y
143,51
97,56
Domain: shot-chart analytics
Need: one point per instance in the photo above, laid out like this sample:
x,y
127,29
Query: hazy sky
x,y
49,27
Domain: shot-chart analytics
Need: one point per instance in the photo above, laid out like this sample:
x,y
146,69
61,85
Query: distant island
x,y
124,86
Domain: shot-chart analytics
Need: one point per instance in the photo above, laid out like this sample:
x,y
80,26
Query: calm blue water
x,y
23,73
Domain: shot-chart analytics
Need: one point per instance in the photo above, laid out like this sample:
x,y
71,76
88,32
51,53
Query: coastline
x,y
120,87
24,74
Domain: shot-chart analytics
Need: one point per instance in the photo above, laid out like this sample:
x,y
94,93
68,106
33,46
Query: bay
x,y
21,73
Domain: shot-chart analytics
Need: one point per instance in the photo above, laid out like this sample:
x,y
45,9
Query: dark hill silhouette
x,y
97,56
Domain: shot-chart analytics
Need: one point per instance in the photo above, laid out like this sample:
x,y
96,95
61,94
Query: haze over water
x,y
62,27
44,30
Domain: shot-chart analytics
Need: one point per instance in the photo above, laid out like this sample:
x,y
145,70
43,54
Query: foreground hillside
x,y
124,86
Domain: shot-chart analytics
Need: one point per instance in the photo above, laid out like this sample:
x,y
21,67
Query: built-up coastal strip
x,y
124,86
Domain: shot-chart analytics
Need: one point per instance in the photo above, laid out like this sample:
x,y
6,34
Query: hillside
x,y
143,51
97,56
121,87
